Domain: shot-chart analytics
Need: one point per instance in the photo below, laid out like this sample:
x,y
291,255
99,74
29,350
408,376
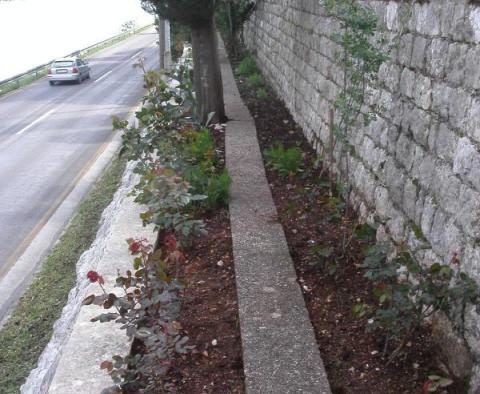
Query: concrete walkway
x,y
280,353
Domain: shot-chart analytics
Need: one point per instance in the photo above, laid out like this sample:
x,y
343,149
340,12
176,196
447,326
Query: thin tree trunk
x,y
207,78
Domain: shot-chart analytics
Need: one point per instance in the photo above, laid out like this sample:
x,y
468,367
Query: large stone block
x,y
389,74
446,16
418,52
455,72
446,188
407,82
423,167
435,57
394,181
445,142
468,212
391,16
441,95
383,204
453,349
474,19
429,209
472,68
419,125
466,162
472,124
422,92
410,196
405,151
428,19
405,49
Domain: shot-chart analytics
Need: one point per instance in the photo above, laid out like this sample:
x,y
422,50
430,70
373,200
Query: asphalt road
x,y
50,134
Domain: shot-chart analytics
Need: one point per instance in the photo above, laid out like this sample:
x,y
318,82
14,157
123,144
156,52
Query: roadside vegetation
x,y
30,326
184,186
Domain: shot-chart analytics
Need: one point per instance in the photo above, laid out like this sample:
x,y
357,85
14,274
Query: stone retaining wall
x,y
417,167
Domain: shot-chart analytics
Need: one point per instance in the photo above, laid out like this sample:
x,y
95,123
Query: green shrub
x,y
200,146
284,161
408,293
255,81
262,94
247,66
218,190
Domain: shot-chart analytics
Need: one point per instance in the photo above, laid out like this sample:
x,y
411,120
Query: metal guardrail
x,y
34,73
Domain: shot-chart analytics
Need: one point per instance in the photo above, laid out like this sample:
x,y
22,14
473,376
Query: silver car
x,y
68,69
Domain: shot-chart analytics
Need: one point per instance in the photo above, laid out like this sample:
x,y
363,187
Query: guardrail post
x,y
161,41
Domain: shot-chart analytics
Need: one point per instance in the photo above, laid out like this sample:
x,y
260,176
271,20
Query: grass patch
x,y
255,81
27,332
247,66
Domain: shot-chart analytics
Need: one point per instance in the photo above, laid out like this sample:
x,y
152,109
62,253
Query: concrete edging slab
x,y
280,353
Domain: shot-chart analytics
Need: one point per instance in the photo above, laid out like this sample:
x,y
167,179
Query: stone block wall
x,y
416,170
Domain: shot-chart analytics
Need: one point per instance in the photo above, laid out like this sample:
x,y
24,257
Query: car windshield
x,y
63,64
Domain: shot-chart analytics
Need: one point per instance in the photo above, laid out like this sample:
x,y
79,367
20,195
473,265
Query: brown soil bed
x,y
209,314
352,357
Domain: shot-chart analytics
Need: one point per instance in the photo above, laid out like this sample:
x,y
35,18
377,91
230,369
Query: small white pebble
x,y
374,352
370,321
220,263
214,342
416,365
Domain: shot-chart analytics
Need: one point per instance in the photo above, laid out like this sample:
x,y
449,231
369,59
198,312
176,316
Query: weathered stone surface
x,y
405,151
418,52
405,49
445,142
459,104
466,162
441,95
436,57
456,63
472,69
453,348
422,92
407,82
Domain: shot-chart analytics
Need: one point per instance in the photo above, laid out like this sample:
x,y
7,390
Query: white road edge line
x,y
138,53
103,76
35,121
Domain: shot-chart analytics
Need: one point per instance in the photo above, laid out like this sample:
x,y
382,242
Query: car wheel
x,y
79,80
88,75
51,83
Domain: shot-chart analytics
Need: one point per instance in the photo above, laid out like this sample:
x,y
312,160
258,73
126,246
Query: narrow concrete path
x,y
280,353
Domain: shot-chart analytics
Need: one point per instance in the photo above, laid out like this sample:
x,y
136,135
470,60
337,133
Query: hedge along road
x,y
50,135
